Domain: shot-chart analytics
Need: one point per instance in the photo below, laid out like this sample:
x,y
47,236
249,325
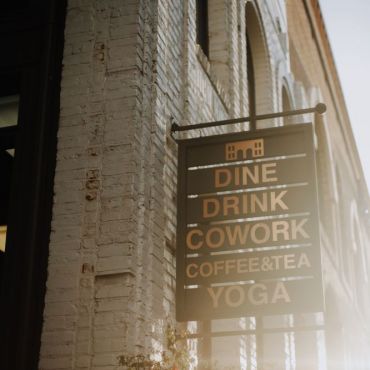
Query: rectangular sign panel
x,y
201,180
248,230
234,206
227,237
260,298
236,149
225,268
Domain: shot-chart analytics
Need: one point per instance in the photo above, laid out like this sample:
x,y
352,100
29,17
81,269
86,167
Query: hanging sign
x,y
248,232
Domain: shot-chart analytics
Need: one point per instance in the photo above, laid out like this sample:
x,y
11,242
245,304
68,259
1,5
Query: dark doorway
x,y
31,32
9,107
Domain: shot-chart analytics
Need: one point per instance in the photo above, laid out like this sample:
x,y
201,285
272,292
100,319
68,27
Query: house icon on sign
x,y
247,148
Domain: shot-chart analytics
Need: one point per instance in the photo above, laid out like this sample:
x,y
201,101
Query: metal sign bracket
x,y
320,108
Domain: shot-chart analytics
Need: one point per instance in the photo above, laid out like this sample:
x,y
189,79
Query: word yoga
x,y
256,294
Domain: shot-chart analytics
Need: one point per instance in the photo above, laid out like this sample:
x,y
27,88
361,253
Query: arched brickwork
x,y
260,58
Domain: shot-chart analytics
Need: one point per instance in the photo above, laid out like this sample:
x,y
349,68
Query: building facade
x,y
88,267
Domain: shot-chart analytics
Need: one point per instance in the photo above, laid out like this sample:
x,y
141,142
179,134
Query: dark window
x,y
202,26
7,140
286,106
13,5
9,102
29,111
251,81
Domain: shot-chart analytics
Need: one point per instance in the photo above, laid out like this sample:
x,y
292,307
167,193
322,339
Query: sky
x,y
348,26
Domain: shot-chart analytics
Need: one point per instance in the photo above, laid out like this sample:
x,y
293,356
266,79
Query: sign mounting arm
x,y
320,108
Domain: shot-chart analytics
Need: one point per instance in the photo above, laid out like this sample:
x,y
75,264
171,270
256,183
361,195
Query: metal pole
x,y
253,121
206,344
233,333
320,109
259,342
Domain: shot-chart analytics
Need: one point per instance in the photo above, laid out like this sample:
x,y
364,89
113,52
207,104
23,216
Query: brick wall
x,y
98,267
128,68
340,188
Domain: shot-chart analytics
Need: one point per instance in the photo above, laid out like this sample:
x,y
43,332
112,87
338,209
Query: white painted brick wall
x,y
128,67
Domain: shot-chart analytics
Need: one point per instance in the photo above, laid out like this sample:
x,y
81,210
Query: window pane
x,y
2,238
6,167
202,25
8,118
9,110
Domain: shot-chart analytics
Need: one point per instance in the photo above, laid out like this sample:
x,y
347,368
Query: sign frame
x,y
197,146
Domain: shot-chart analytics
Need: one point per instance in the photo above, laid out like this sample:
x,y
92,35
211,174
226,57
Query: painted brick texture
x,y
130,68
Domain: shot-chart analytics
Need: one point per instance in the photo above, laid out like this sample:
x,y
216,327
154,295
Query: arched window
x,y
360,257
328,187
202,26
251,81
260,94
286,105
